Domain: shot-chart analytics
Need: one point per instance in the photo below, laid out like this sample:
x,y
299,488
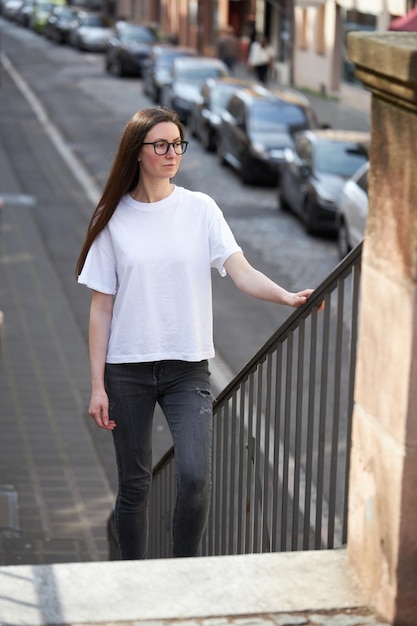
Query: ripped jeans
x,y
183,391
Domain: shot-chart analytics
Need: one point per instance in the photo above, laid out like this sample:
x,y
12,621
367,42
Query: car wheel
x,y
343,239
116,68
310,218
282,202
220,152
207,139
164,99
192,125
246,171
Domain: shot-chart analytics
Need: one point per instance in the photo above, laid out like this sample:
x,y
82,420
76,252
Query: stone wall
x,y
382,532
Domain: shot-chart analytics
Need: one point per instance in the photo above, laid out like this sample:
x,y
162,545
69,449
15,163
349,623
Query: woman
x,y
261,58
147,257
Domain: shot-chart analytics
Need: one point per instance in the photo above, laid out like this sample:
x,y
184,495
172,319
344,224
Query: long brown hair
x,y
125,171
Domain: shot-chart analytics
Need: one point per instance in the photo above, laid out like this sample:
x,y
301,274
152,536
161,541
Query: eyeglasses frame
x,y
169,144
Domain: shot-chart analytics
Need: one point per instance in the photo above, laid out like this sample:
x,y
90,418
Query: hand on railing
x,y
301,297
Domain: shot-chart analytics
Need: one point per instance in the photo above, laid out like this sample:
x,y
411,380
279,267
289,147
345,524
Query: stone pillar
x,y
382,527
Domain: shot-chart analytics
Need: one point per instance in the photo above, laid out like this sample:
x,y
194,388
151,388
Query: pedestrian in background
x,y
261,58
147,257
228,47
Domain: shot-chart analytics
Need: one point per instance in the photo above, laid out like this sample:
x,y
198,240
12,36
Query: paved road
x,y
56,472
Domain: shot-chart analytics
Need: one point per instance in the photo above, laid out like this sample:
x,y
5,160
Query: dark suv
x,y
256,128
129,48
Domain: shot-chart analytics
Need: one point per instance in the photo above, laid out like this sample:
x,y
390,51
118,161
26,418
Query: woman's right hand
x,y
99,410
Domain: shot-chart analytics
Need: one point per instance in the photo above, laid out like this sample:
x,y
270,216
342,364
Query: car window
x,y
343,159
67,13
167,58
197,74
94,20
142,35
270,116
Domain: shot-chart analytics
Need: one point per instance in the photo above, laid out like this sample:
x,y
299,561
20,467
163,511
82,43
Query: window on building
x,y
192,12
303,43
320,33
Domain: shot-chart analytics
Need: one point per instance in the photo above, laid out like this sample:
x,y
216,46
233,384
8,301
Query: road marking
x,y
17,199
81,174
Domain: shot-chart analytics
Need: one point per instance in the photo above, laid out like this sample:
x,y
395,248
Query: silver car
x,y
90,32
188,76
353,211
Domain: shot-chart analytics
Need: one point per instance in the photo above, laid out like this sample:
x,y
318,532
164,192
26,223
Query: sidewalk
x,y
54,493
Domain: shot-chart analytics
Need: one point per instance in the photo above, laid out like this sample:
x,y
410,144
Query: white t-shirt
x,y
156,258
259,55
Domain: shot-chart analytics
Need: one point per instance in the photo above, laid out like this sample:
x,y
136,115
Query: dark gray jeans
x,y
183,391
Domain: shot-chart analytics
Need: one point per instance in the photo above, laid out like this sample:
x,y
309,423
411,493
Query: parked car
x,y
158,68
41,12
59,22
26,10
205,117
129,48
257,126
353,211
313,174
188,75
11,9
90,32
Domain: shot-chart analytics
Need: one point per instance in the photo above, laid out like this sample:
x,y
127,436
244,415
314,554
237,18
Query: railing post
x,y
382,538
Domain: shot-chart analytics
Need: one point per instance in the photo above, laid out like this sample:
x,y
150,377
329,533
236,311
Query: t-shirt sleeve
x,y
99,271
222,242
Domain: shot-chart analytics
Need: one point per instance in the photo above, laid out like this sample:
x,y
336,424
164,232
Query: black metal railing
x,y
282,433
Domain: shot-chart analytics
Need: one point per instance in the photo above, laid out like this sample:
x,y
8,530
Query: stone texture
x,y
392,54
382,543
180,589
383,374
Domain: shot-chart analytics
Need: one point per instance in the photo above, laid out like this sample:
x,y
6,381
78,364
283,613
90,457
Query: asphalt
x,y
56,491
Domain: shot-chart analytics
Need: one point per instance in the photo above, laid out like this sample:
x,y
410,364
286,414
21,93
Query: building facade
x,y
321,31
309,36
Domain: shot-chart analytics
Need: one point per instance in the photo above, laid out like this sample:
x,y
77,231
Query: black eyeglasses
x,y
161,147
